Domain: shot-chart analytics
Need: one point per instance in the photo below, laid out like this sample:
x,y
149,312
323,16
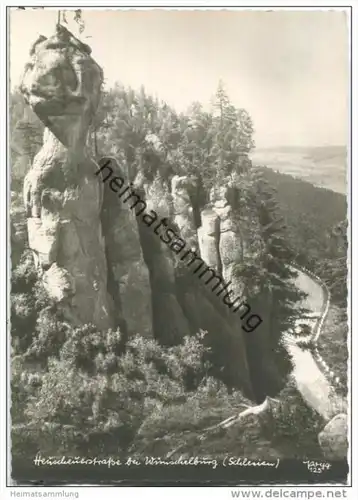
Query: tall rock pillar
x,y
63,197
231,242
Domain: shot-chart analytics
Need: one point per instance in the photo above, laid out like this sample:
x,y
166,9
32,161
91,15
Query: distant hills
x,y
324,166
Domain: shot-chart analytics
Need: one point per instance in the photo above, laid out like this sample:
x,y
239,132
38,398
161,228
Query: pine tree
x,y
233,130
279,276
333,269
196,147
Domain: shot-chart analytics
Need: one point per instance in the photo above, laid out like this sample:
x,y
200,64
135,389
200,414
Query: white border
x,y
224,492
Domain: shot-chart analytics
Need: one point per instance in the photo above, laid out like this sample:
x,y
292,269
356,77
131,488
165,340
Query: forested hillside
x,y
316,221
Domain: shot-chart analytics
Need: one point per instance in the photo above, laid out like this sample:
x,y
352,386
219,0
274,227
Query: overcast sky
x,y
289,69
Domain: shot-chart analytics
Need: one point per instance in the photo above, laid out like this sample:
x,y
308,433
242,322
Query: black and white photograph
x,y
178,215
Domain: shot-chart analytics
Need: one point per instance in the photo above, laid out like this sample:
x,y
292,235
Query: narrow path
x,y
312,383
315,299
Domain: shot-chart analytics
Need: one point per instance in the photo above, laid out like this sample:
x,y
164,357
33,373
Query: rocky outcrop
x,y
183,215
203,308
334,438
223,244
209,238
128,278
106,262
231,244
62,196
169,322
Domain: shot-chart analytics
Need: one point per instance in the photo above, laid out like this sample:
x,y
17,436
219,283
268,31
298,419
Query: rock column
x,y
231,244
63,197
169,322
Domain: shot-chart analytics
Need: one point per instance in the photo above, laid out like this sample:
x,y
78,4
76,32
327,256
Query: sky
x,y
288,69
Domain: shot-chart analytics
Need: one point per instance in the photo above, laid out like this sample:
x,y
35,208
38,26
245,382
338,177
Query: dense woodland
x,y
316,228
117,395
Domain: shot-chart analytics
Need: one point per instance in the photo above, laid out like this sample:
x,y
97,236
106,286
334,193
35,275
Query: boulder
x,y
334,438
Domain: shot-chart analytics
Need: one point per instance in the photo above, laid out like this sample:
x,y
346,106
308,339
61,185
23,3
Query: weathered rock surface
x,y
231,245
128,276
18,229
209,237
169,322
334,438
62,196
203,308
183,215
101,261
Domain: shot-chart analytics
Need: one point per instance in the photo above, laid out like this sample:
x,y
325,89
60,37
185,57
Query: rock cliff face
x,y
169,322
128,278
209,238
183,213
231,244
204,309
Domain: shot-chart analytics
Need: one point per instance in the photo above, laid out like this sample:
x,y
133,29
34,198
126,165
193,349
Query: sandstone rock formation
x,y
231,244
102,261
183,215
62,196
209,238
169,322
204,309
334,438
223,245
128,277
18,229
